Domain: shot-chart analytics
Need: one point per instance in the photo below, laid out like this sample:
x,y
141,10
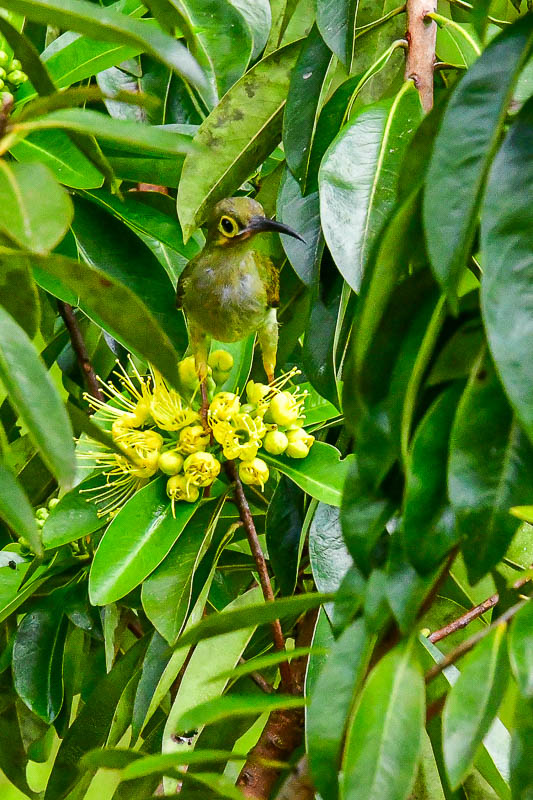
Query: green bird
x,y
231,289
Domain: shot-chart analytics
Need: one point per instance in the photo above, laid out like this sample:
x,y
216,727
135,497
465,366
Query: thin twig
x,y
464,620
258,679
421,38
468,644
260,563
435,708
80,349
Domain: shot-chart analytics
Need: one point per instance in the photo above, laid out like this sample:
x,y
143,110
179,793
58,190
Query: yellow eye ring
x,y
228,227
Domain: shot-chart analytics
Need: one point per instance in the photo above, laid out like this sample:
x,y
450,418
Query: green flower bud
x,y
201,469
4,58
52,503
17,77
187,372
275,442
254,472
220,377
179,489
2,73
297,450
6,98
15,65
170,462
300,443
221,360
41,513
40,523
284,409
256,392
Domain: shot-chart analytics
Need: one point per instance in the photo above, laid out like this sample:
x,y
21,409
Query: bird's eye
x,y
228,226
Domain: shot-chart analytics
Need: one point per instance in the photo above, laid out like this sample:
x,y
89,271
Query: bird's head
x,y
236,219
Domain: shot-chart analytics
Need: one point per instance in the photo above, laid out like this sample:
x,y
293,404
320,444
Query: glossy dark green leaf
x,y
303,215
328,712
23,217
283,528
258,15
428,528
38,659
358,179
490,470
241,131
522,752
506,245
55,150
457,357
308,86
15,509
111,26
472,703
321,474
155,661
136,541
12,593
336,23
227,621
73,517
521,649
18,294
100,294
13,758
329,557
464,149
91,726
384,762
36,399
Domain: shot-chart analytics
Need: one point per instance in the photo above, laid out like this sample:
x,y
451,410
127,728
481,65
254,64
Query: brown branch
x,y
464,620
298,785
465,647
260,563
80,349
258,679
435,708
283,732
421,37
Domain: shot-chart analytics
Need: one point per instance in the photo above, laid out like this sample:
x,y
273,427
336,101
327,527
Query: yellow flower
x,y
167,408
275,442
187,372
201,469
128,411
192,439
221,360
241,436
256,392
170,462
285,408
223,406
144,447
179,489
254,472
299,443
120,481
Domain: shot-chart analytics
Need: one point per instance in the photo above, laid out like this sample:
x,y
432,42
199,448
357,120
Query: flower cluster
x,y
11,76
159,430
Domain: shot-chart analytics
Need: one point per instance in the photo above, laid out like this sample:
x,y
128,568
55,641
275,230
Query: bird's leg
x,y
268,341
200,347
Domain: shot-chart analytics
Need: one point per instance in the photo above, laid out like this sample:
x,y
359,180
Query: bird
x,y
230,289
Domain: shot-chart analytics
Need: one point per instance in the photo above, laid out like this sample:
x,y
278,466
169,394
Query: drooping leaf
x,y
16,510
283,528
35,398
234,705
336,23
73,517
111,26
490,469
520,647
472,703
18,293
328,712
241,131
54,149
321,474
383,763
358,179
258,15
13,757
464,149
136,541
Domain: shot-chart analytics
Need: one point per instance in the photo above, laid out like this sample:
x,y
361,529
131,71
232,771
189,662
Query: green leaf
x,y
73,517
162,763
91,726
16,510
302,214
110,26
136,541
227,621
490,469
428,522
240,133
328,712
99,297
521,649
336,23
34,396
472,703
28,55
258,15
358,178
283,529
234,705
18,293
38,659
383,762
124,132
268,660
24,218
464,148
12,593
321,474
55,150
309,84
330,560
522,752
508,265
13,757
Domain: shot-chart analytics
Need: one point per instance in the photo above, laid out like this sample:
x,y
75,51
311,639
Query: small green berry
x,y
52,503
170,462
41,513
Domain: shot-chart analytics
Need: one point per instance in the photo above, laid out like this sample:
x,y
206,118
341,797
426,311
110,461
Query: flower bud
x,y
284,409
192,439
254,472
224,405
41,513
6,98
146,465
220,377
4,58
52,503
179,489
40,523
2,73
256,392
170,462
2,84
300,443
221,360
297,450
201,469
17,77
15,65
275,442
187,372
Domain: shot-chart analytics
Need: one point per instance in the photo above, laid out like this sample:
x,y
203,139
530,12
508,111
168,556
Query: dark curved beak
x,y
258,224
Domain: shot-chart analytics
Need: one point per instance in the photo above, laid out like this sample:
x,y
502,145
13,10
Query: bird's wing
x,y
182,283
270,275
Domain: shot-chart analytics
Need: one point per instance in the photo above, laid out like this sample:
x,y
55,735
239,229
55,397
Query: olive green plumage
x,y
231,289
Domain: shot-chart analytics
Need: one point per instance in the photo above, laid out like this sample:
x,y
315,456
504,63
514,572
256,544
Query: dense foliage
x,y
135,641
